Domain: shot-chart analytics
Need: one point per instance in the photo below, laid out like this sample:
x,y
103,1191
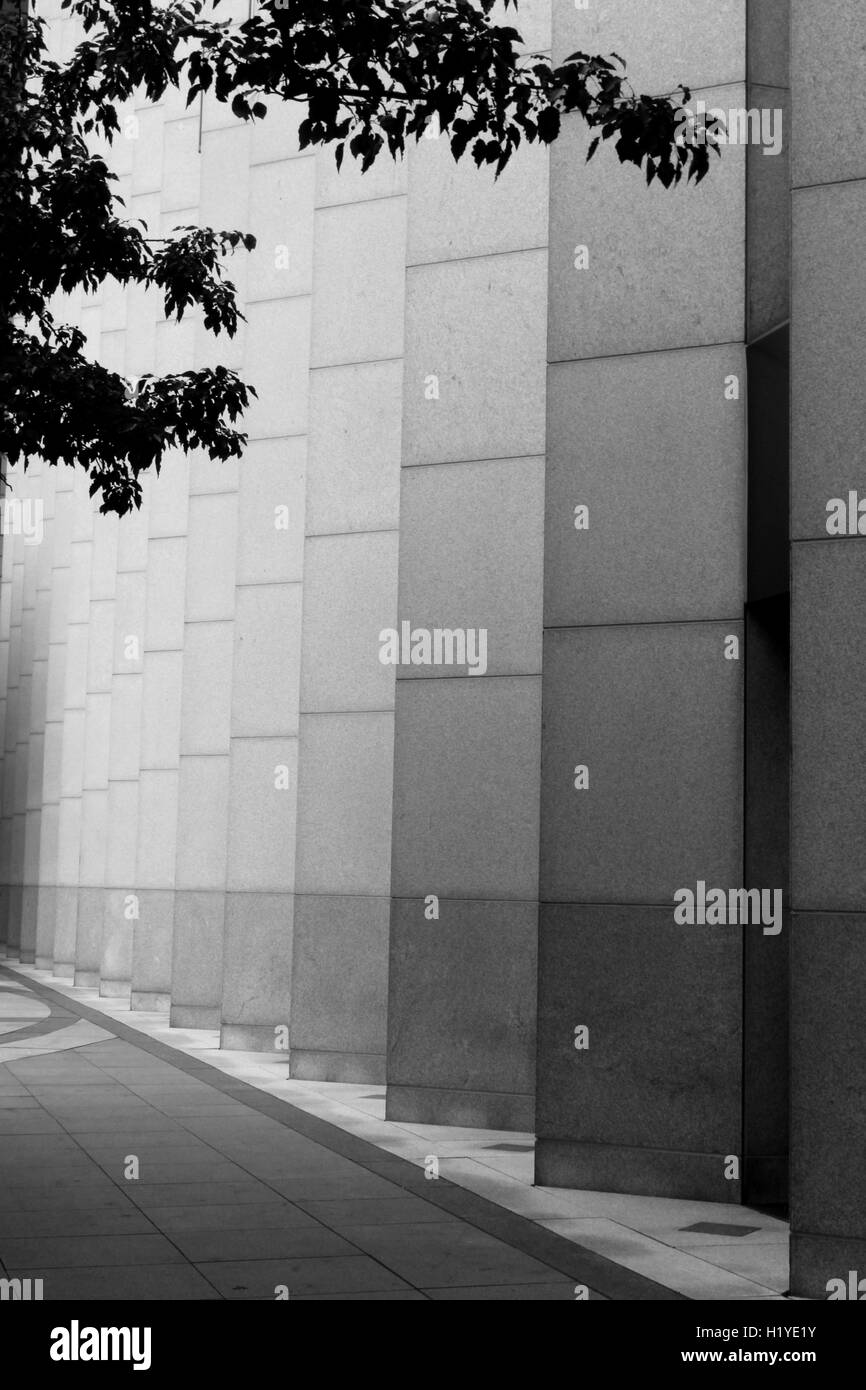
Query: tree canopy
x,y
372,75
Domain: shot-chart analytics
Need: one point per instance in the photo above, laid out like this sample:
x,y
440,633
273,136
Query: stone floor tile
x,y
130,1283
435,1255
258,1279
41,1253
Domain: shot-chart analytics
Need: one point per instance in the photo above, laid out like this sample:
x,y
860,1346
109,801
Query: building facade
x,y
247,780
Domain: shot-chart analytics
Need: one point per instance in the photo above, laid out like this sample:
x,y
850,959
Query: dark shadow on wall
x,y
767,776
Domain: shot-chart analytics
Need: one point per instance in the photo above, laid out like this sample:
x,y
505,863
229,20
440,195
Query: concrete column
x,y
74,712
120,903
61,557
39,519
203,788
94,798
643,664
6,554
160,593
464,880
97,728
342,902
263,772
156,596
208,636
211,525
120,354
28,753
149,757
13,751
203,535
828,564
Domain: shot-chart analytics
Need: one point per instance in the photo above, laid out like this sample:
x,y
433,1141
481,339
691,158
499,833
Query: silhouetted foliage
x,y
372,74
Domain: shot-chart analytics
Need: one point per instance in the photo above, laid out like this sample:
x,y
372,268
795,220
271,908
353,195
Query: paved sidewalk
x,y
131,1171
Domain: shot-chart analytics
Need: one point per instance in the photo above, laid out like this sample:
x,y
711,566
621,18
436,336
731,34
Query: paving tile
x,y
90,1123
167,1142
80,1175
147,1283
48,1174
767,1265
275,1152
87,1094
192,1108
358,1184
373,1210
682,1273
258,1279
154,1173
696,1241
148,1150
28,1122
435,1255
496,1187
274,1147
112,1049
250,1127
183,1194
269,1153
92,1221
393,1296
180,1085
69,1104
62,1252
33,1071
311,1158
19,1199
661,1217
21,1147
162,1075
182,1099
402,1175
289,1242
550,1293
244,1216
122,1118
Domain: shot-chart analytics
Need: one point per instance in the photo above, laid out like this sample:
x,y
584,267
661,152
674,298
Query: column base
x,y
146,1001
639,1172
425,1105
366,1069
29,906
251,1037
817,1260
114,989
194,1016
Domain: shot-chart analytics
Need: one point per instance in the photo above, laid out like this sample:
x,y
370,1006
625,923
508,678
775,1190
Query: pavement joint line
x,y
572,1261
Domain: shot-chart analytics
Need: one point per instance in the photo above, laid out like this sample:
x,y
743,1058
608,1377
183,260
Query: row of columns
x,y
220,798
